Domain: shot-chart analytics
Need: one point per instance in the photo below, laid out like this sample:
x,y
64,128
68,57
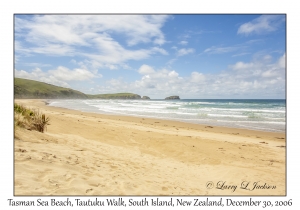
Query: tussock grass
x,y
30,119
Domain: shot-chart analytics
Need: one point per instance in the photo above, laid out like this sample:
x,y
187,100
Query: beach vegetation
x,y
29,119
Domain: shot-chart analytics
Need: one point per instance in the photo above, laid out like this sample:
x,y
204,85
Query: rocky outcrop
x,y
172,98
145,98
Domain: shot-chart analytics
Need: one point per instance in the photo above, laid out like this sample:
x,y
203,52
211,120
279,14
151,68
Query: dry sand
x,y
92,154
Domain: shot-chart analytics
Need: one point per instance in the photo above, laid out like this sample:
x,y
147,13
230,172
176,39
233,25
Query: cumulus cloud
x,y
38,75
197,77
161,79
258,78
262,24
145,69
153,81
59,76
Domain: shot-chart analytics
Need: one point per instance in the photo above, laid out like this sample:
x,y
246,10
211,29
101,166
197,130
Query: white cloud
x,y
114,86
242,66
58,76
241,48
220,50
53,49
90,37
111,52
182,51
183,42
65,74
173,74
38,75
258,78
152,81
111,67
160,50
197,77
262,24
281,61
20,50
145,69
78,29
158,80
185,51
262,71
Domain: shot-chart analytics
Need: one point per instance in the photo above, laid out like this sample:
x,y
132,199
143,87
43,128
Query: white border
x,y
9,8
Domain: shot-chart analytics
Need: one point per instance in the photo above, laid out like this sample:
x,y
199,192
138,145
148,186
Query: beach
x,y
84,153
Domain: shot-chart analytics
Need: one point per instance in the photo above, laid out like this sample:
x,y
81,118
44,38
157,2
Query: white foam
x,y
224,115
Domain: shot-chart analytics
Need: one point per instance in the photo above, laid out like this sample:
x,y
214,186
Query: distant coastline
x,y
31,89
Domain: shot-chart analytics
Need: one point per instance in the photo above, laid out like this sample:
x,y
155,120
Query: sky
x,y
193,56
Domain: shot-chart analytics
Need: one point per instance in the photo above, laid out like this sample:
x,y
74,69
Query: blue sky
x,y
193,56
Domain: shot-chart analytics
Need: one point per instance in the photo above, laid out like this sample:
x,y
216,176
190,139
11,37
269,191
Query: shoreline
x,y
141,155
211,122
222,129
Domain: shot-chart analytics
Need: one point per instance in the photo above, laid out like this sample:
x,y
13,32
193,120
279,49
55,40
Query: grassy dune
x,y
30,119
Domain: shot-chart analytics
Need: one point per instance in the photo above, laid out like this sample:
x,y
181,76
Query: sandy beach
x,y
92,154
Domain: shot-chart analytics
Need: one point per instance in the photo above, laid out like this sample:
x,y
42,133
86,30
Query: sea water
x,y
253,114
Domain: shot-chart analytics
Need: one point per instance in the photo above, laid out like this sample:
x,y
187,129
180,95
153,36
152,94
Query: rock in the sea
x,y
172,98
145,98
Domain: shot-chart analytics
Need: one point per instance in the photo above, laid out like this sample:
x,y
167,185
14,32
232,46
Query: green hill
x,y
24,88
115,96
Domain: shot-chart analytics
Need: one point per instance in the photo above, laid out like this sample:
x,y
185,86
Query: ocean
x,y
253,114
